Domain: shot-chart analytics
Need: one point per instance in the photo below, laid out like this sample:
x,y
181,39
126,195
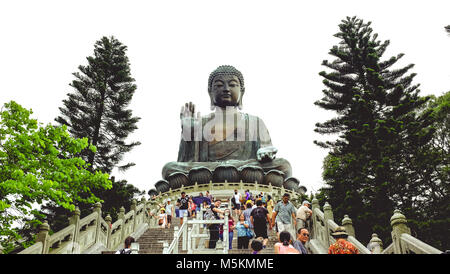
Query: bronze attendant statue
x,y
226,137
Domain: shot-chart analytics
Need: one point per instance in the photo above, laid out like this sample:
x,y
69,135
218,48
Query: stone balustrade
x,y
93,234
403,243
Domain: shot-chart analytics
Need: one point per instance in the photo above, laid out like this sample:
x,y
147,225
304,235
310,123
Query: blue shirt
x,y
241,230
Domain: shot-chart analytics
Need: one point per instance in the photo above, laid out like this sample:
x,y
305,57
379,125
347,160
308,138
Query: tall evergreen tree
x,y
97,108
367,172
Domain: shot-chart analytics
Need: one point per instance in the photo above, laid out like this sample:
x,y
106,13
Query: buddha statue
x,y
226,136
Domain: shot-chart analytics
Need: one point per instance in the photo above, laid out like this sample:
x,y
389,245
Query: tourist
x,y
242,227
284,245
302,238
237,202
127,246
259,218
269,205
284,215
303,215
341,246
191,207
230,229
209,196
257,245
247,213
170,210
162,218
214,228
183,204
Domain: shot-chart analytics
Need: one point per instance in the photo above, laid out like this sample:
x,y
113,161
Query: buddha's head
x,y
226,87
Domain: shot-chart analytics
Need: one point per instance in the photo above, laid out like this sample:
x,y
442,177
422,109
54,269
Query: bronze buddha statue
x,y
227,135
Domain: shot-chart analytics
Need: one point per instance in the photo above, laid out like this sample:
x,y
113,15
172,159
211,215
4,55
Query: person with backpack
x,y
212,213
259,219
127,250
183,204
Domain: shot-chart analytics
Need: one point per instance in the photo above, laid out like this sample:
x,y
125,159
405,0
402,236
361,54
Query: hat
x,y
306,202
169,200
162,209
339,231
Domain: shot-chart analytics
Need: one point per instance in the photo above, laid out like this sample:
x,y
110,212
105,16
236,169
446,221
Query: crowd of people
x,y
250,219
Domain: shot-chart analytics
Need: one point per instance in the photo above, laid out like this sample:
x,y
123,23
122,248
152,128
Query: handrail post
x,y
122,217
398,223
133,208
185,236
98,210
328,215
225,235
43,237
376,245
315,232
108,220
189,243
175,236
75,220
165,247
348,224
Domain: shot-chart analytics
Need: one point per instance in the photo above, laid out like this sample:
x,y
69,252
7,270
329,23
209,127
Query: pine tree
x,y
97,108
367,172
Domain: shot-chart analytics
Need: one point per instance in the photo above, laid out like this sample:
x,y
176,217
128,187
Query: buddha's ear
x,y
212,102
240,99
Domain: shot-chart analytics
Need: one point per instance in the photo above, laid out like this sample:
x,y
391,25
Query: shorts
x,y
182,211
261,231
237,206
169,219
289,228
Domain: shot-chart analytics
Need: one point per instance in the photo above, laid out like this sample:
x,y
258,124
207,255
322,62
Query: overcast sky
x,y
173,46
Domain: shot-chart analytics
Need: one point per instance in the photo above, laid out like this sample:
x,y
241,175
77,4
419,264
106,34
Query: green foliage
x,y
37,164
97,109
380,159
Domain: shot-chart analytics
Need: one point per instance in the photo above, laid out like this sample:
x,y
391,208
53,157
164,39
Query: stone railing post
x,y
1,249
348,224
175,232
314,231
376,245
108,220
98,210
398,224
189,242
43,237
185,234
165,247
225,235
143,202
133,207
75,220
327,215
121,216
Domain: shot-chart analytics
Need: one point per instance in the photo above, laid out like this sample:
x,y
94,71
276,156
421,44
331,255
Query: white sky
x,y
174,45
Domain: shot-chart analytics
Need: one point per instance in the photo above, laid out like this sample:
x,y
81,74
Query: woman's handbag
x,y
250,234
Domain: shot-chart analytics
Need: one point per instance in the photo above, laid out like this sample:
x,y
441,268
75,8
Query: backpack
x,y
259,215
123,251
209,215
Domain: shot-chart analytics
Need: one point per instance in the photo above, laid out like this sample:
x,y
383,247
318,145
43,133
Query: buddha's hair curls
x,y
226,70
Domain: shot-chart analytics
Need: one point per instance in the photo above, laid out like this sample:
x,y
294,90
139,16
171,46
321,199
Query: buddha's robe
x,y
243,139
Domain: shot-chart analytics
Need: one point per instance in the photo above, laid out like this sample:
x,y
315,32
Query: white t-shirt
x,y
162,216
237,198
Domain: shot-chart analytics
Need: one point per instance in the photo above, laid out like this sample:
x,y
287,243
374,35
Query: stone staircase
x,y
268,250
151,242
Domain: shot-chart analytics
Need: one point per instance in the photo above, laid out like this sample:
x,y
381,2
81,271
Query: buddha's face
x,y
225,90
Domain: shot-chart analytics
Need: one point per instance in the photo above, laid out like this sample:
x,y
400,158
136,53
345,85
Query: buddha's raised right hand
x,y
188,117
